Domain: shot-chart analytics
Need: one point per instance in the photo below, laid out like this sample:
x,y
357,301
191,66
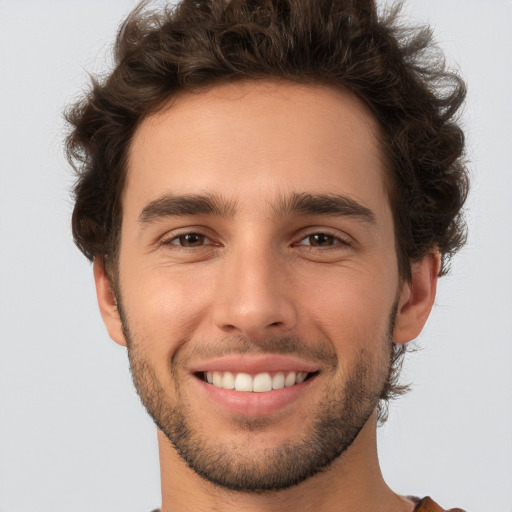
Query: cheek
x,y
353,311
163,309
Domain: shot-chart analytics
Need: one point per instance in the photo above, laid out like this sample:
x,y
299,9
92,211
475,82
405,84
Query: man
x,y
269,192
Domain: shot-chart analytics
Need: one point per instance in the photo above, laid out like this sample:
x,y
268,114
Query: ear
x,y
107,303
416,299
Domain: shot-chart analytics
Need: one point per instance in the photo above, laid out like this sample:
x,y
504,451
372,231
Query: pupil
x,y
320,239
192,239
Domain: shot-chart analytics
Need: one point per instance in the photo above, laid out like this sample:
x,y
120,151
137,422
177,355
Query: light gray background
x,y
73,436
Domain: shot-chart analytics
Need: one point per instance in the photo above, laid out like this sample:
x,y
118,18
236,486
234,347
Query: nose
x,y
254,296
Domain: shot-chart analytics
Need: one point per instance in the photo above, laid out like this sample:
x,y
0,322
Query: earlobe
x,y
107,303
416,299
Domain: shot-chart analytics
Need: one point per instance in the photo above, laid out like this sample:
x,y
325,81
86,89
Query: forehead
x,y
252,141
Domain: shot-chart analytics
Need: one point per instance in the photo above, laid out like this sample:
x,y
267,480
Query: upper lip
x,y
254,364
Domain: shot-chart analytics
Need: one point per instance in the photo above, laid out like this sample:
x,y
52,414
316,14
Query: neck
x,y
353,482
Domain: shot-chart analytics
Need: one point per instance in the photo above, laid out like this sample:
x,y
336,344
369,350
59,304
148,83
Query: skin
x,y
255,275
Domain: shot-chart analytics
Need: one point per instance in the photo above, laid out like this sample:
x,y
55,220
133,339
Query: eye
x,y
189,240
322,240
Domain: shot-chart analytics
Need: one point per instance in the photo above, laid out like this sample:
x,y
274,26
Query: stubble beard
x,y
340,415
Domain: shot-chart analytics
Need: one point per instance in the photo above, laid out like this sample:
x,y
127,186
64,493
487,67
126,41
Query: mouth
x,y
262,382
254,386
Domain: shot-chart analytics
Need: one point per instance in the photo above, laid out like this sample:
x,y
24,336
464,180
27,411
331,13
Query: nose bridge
x,y
252,296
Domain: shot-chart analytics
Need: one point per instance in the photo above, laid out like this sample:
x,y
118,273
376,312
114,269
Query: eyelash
x,y
170,240
337,241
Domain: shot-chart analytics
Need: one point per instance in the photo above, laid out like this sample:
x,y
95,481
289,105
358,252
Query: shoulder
x,y
429,505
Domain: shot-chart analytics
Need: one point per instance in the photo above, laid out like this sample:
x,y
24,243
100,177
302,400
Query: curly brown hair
x,y
397,71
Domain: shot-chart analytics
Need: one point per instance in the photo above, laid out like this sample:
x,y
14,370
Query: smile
x,y
259,383
253,385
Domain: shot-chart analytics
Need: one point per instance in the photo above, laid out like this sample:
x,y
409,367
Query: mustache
x,y
320,351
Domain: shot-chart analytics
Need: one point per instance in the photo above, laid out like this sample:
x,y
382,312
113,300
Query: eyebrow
x,y
171,205
325,204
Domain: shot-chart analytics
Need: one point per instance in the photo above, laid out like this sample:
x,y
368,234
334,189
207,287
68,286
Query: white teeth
x,y
260,383
243,382
217,379
290,379
301,377
278,381
228,381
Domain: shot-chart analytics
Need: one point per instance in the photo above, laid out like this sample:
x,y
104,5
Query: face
x,y
257,278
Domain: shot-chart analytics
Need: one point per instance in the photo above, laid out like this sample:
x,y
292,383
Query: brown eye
x,y
321,240
189,240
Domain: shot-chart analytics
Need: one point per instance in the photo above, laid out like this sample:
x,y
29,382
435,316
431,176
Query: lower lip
x,y
255,404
